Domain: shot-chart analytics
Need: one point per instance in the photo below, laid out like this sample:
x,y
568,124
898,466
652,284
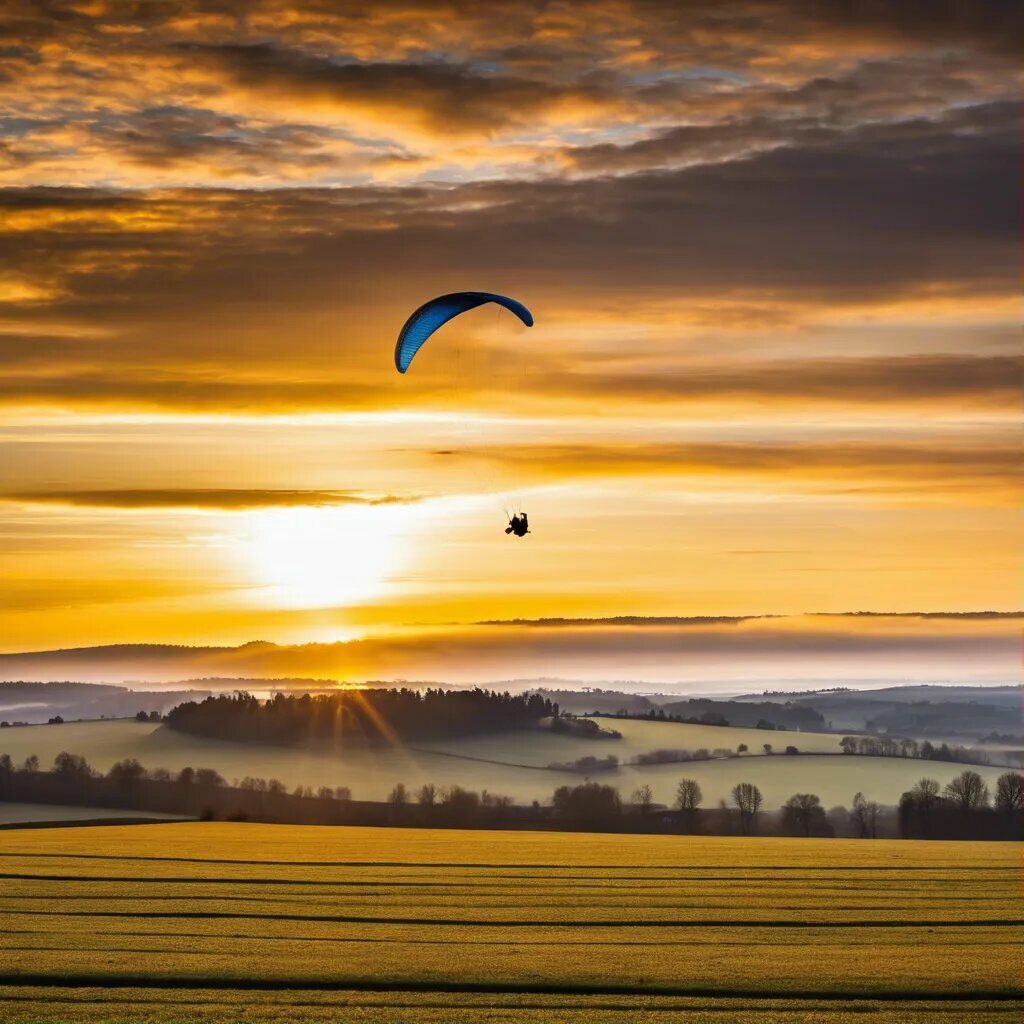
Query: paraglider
x,y
437,312
518,525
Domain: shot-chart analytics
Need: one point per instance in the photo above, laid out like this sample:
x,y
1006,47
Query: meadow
x,y
20,813
225,922
511,764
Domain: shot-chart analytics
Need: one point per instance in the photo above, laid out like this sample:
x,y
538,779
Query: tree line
x,y
964,809
893,746
369,716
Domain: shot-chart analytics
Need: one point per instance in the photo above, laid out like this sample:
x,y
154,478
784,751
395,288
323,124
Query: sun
x,y
317,557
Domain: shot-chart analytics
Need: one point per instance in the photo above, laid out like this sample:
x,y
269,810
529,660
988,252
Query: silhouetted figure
x,y
519,525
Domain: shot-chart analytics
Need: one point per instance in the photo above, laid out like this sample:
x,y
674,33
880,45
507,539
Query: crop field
x,y
227,922
510,764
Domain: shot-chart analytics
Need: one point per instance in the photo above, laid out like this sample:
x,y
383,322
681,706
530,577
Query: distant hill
x,y
32,702
795,716
912,710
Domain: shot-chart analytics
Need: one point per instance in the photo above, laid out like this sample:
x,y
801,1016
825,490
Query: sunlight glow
x,y
312,557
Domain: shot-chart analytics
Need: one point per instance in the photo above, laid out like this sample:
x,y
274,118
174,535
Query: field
x,y
511,764
239,922
20,814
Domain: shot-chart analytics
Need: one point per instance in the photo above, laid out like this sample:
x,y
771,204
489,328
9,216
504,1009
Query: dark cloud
x,y
452,98
807,127
164,137
177,284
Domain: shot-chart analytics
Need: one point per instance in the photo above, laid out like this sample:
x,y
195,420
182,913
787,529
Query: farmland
x,y
232,922
511,764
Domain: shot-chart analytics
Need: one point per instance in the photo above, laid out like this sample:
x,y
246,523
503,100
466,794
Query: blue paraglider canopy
x,y
437,312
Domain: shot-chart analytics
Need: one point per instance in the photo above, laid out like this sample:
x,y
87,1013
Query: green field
x,y
519,773
241,922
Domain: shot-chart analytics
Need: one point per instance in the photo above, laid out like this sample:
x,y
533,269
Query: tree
x,y
427,795
848,744
186,776
209,777
864,817
742,748
588,804
6,775
1010,794
968,791
398,797
767,748
126,772
141,716
72,767
56,720
31,764
792,750
643,799
926,791
802,814
688,796
917,809
460,805
747,798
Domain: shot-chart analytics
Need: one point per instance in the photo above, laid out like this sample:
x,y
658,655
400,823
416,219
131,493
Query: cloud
x,y
987,380
445,97
616,621
917,471
243,298
791,649
792,119
660,621
220,499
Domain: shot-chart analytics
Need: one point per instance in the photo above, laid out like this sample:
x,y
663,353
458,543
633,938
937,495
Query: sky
x,y
771,252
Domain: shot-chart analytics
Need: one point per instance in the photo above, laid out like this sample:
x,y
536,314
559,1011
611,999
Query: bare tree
x,y
688,796
747,798
427,796
31,764
398,797
643,799
858,816
1010,793
968,791
871,809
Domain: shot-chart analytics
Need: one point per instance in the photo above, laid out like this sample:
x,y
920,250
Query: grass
x,y
232,922
20,814
371,774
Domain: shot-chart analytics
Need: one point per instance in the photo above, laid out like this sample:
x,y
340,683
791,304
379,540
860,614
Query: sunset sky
x,y
771,251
